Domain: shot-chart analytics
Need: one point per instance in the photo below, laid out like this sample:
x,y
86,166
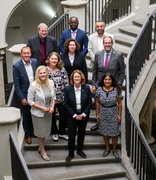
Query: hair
x,y
25,47
108,37
66,44
41,25
100,20
38,81
60,63
114,82
80,73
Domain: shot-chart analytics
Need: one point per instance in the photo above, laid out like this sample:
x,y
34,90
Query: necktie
x,y
43,53
106,62
73,35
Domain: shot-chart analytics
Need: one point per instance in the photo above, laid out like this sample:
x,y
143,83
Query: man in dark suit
x,y
23,75
107,60
42,45
74,33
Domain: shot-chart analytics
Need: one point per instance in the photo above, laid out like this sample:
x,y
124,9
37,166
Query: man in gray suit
x,y
42,45
115,65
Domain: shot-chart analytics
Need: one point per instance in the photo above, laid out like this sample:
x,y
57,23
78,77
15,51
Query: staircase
x,y
94,167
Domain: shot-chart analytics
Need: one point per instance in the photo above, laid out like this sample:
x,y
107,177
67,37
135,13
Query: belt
x,y
108,106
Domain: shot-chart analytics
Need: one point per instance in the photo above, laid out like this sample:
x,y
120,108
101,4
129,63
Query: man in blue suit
x,y
74,33
23,75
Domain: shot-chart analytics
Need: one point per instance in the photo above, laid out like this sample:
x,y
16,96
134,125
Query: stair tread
x,y
80,171
131,29
94,139
124,38
32,157
140,21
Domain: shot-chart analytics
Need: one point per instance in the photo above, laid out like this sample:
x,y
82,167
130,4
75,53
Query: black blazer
x,y
35,45
70,100
79,63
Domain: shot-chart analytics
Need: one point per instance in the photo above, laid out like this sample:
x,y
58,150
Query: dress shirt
x,y
105,54
29,71
78,100
72,33
100,43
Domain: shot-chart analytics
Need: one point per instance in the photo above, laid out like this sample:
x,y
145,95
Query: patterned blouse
x,y
61,80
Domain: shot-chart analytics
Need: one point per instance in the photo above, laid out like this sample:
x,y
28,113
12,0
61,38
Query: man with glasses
x,y
75,33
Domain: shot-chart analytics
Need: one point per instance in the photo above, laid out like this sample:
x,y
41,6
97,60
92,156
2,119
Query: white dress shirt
x,y
72,33
29,71
78,100
105,54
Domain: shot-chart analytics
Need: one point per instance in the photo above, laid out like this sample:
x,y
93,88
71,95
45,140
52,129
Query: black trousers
x,y
27,120
73,124
62,121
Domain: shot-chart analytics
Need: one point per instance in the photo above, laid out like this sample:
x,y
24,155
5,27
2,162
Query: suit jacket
x,y
79,63
21,80
93,46
115,66
70,100
81,38
36,96
35,45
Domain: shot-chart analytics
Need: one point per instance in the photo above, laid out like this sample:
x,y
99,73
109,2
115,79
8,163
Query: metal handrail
x,y
19,167
130,118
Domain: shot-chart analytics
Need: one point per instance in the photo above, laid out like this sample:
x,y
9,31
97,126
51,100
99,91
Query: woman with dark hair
x,y
108,111
59,75
73,59
77,99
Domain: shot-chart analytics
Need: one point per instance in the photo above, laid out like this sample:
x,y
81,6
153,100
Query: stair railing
x,y
138,150
18,165
107,10
59,25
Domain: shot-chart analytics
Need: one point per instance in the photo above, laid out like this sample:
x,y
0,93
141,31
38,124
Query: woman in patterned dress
x,y
59,75
108,111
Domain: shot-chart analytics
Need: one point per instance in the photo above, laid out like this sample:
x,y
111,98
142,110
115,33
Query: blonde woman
x,y
41,96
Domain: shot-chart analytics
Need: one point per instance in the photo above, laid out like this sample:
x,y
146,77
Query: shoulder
x,y
99,52
81,31
117,52
69,87
79,55
92,36
33,60
66,31
49,38
85,86
33,38
18,63
51,82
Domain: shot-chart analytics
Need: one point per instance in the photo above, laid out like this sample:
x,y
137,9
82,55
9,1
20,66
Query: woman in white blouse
x,y
78,101
41,96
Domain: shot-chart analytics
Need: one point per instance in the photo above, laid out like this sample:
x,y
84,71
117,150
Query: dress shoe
x,y
116,154
69,158
39,151
28,139
45,158
65,136
82,154
95,127
105,153
33,135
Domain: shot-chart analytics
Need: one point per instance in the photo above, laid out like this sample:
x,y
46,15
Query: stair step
x,y
81,172
58,156
124,39
130,30
139,22
123,49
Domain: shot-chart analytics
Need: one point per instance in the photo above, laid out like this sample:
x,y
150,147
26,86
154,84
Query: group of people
x,y
45,80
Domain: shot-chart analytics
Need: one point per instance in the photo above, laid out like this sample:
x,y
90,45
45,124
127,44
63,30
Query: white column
x,y
8,121
76,8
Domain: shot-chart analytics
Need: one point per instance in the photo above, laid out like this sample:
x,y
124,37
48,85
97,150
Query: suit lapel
x,y
24,71
82,95
73,95
38,44
111,58
33,67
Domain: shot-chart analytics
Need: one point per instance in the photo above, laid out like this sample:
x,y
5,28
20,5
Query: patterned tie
x,y
73,34
43,53
106,62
